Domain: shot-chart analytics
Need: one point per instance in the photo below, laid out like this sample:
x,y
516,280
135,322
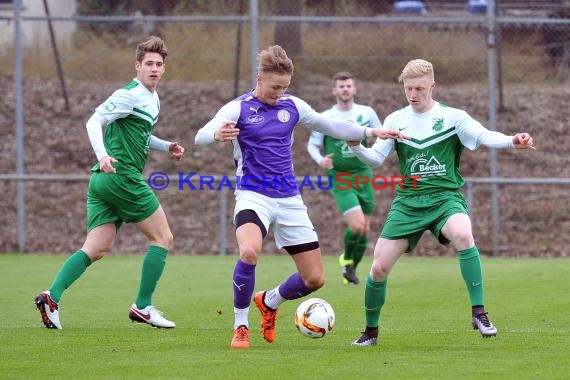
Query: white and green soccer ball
x,y
314,318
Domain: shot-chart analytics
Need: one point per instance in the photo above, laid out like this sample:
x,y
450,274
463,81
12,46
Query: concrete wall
x,y
36,31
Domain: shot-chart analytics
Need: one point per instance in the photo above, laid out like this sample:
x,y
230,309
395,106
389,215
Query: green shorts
x,y
118,198
349,196
410,216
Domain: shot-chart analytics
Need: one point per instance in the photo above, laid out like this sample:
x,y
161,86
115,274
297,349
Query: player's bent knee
x,y
463,239
165,240
169,239
379,273
248,255
359,230
314,279
97,255
315,282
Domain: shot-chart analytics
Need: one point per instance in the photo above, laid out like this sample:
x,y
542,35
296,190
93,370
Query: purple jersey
x,y
262,150
265,162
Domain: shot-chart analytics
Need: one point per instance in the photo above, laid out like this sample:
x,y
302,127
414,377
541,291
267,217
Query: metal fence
x,y
495,55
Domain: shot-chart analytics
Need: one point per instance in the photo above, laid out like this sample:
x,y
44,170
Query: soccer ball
x,y
314,318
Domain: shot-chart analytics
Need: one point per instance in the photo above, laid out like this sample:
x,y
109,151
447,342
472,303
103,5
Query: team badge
x,y
109,106
283,116
437,124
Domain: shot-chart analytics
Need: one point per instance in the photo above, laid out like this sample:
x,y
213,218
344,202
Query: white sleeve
x,y
120,104
472,134
339,129
230,111
159,144
376,154
492,139
94,127
314,146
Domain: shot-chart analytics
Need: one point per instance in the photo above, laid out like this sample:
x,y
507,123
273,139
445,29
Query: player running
x,y
429,198
356,203
118,192
260,126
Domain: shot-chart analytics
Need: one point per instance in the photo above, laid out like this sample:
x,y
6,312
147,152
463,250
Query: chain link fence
x,y
212,39
74,53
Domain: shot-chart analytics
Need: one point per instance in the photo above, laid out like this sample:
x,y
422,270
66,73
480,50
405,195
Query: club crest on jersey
x,y
109,106
437,124
283,116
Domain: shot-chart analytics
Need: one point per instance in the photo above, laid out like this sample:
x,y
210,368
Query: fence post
x,y
491,75
254,22
19,110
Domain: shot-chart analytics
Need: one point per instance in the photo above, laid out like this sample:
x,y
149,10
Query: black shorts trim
x,y
300,248
250,216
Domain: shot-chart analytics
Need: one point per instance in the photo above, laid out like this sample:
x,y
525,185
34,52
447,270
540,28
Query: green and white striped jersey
x,y
431,157
131,113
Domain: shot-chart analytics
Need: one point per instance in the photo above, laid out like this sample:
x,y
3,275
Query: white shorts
x,y
289,217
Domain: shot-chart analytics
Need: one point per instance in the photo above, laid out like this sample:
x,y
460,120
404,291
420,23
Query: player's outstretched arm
x,y
523,141
385,134
376,154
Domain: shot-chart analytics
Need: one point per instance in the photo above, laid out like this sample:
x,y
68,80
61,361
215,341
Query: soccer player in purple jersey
x,y
260,126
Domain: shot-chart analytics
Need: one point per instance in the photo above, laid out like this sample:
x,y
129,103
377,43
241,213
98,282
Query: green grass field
x,y
425,330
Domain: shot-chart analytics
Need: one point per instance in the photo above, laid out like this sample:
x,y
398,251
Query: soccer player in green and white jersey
x,y
357,202
429,198
117,191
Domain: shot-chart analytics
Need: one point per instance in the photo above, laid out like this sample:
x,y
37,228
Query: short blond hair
x,y
274,60
417,68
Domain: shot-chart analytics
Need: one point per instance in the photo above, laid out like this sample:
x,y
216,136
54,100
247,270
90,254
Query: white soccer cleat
x,y
150,315
482,323
49,310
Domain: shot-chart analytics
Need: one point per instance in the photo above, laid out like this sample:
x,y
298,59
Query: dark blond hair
x,y
342,75
274,60
153,44
416,68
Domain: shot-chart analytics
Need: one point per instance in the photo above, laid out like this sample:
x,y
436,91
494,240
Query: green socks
x,y
153,265
77,263
70,271
374,298
349,242
470,264
354,246
360,249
